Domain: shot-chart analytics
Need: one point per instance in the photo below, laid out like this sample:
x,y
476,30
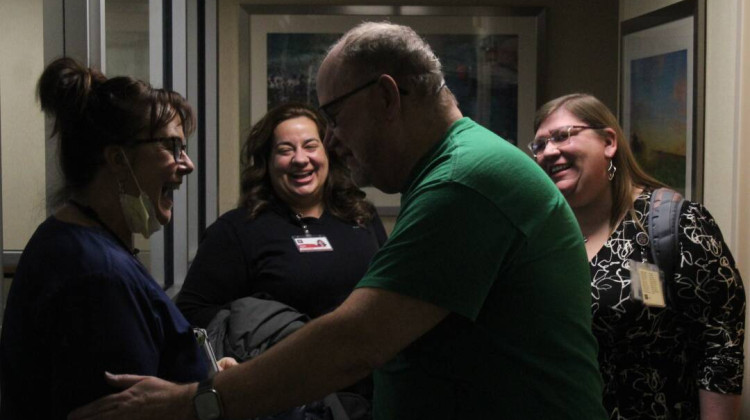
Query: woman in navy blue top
x,y
81,304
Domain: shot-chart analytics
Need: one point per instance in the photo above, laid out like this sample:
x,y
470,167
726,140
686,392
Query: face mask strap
x,y
132,174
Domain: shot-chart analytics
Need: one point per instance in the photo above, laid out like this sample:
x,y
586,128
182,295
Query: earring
x,y
611,170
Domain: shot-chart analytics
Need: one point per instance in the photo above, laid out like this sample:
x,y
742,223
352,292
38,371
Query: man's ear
x,y
390,95
610,143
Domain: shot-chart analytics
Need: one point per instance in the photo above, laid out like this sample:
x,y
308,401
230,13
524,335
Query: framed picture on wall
x,y
490,58
662,91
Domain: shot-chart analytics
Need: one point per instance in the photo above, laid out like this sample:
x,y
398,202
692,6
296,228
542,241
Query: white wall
x,y
742,253
722,139
22,123
742,162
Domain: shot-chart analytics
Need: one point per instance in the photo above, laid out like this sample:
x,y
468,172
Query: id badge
x,y
312,243
647,284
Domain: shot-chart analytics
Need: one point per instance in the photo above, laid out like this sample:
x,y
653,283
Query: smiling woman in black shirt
x,y
303,234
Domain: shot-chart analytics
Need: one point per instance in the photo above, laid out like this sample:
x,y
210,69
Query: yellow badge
x,y
647,284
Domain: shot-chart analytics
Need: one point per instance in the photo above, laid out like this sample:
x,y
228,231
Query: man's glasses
x,y
327,109
558,137
174,144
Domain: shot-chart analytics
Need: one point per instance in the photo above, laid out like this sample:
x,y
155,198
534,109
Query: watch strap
x,y
205,384
206,402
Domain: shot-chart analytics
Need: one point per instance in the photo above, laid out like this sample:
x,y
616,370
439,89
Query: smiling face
x,y
579,167
157,172
298,165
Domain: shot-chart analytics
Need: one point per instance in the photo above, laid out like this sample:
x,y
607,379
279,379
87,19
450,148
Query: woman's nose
x,y
300,157
550,149
185,164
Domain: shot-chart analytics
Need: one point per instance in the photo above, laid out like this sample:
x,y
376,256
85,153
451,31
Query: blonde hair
x,y
629,175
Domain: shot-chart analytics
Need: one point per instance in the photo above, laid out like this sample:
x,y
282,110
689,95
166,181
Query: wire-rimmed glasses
x,y
559,137
327,109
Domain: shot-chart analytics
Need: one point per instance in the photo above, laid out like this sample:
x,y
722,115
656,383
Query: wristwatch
x,y
206,401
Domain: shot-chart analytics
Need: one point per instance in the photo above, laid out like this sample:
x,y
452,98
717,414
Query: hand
x,y
226,363
144,397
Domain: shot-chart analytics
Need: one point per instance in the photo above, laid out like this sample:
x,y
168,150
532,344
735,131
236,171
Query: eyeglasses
x,y
326,109
174,144
558,137
331,116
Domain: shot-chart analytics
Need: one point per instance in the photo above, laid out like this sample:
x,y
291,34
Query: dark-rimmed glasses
x,y
559,137
174,144
326,109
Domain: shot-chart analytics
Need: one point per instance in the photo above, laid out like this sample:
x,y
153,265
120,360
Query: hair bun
x,y
65,87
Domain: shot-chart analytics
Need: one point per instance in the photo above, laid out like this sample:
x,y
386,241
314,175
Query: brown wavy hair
x,y
340,195
629,176
92,112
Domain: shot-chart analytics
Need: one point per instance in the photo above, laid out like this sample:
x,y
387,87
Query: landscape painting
x,y
658,116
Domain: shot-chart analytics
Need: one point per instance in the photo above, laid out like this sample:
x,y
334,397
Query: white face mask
x,y
139,212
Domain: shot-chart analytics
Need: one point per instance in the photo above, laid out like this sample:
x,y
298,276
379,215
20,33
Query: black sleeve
x,y
217,276
711,294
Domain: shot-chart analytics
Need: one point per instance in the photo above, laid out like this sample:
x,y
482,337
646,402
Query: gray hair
x,y
397,50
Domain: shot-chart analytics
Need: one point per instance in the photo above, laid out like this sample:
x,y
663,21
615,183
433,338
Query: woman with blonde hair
x,y
678,353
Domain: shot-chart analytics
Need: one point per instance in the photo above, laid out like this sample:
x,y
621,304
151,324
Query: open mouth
x,y
168,189
558,168
301,175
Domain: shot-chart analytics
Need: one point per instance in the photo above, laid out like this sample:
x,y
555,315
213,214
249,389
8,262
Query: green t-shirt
x,y
484,233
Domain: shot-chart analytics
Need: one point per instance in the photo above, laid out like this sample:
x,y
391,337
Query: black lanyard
x,y
91,214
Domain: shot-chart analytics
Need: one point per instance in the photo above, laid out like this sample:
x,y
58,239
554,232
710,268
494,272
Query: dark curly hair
x,y
341,196
92,112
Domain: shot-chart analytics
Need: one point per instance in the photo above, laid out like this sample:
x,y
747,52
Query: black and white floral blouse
x,y
654,360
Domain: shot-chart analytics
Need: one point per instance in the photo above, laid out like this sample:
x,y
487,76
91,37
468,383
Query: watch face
x,y
207,405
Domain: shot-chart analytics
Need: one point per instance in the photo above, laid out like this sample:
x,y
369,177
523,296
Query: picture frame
x,y
490,57
662,93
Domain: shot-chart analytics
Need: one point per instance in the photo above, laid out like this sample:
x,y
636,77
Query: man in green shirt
x,y
477,306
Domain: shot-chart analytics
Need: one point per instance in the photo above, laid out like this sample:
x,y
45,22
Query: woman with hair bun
x,y
81,304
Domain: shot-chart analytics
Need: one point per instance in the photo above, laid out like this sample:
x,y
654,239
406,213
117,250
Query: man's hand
x,y
144,397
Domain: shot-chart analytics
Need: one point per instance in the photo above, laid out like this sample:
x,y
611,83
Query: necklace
x,y
91,214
